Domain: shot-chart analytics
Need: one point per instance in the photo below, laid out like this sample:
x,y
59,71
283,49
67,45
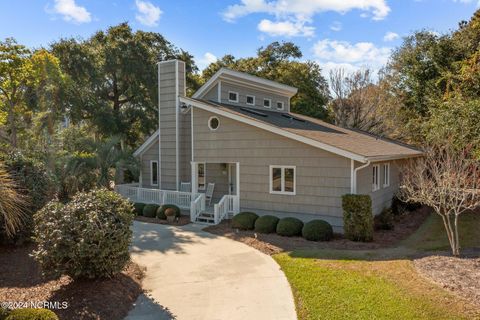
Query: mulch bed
x,y
458,275
183,220
271,244
21,281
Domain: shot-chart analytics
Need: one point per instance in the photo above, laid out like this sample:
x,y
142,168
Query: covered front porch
x,y
211,196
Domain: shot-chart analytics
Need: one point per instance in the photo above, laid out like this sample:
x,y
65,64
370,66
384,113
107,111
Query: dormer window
x,y
280,105
233,96
267,103
250,100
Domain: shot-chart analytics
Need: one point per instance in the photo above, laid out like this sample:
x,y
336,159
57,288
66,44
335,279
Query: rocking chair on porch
x,y
209,192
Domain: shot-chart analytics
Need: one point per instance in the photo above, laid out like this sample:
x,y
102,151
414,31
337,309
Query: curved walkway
x,y
192,274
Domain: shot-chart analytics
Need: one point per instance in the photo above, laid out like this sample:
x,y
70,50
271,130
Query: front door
x,y
232,179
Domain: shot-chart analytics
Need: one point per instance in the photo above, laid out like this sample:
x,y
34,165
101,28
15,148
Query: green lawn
x,y
431,235
375,284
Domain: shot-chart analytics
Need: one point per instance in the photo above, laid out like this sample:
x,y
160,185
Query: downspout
x,y
354,177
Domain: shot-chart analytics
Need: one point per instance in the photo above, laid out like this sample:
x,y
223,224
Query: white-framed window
x,y
280,105
154,173
232,96
386,175
213,123
250,100
375,177
282,180
267,103
201,175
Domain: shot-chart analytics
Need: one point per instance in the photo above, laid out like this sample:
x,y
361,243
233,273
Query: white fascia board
x,y
394,157
287,90
275,130
146,144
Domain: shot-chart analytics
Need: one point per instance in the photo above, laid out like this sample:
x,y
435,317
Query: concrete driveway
x,y
192,274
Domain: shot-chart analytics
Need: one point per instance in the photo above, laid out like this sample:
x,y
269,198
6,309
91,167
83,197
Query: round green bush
x,y
86,238
161,211
384,220
138,208
289,227
317,230
150,210
266,224
31,314
244,220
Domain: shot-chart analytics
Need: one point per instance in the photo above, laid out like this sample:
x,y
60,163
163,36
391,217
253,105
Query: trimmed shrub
x,y
357,217
384,220
400,207
150,210
317,230
31,314
244,220
289,227
161,211
266,224
85,238
3,313
138,208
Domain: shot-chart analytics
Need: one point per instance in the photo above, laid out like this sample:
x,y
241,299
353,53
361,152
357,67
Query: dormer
x,y
244,90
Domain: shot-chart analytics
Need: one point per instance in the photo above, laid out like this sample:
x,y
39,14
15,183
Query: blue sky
x,y
336,33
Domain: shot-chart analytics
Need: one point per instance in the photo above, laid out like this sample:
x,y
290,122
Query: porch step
x,y
206,218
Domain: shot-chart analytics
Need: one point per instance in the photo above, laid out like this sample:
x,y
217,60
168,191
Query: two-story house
x,y
237,132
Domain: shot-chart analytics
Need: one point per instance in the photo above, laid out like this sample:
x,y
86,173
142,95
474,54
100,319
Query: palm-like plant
x,y
107,162
12,203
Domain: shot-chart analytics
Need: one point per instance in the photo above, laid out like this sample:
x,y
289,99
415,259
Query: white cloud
x,y
332,54
468,1
390,36
305,8
148,14
285,28
293,16
207,58
70,11
336,26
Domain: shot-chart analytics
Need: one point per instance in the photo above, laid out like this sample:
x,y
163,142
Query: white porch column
x,y
237,181
193,179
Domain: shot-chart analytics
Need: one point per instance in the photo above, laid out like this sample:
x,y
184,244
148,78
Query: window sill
x,y
283,193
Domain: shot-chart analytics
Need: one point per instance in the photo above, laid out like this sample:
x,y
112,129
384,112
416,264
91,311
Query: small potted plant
x,y
170,214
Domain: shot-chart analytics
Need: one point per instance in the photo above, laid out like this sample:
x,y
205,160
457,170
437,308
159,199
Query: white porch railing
x,y
157,196
197,206
228,204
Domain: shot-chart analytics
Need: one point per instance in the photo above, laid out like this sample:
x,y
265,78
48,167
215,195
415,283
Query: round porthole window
x,y
213,123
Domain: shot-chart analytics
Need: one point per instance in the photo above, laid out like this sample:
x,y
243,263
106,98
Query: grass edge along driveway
x,y
372,284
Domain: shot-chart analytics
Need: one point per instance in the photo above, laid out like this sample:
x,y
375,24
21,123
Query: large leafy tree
x,y
14,78
115,79
279,62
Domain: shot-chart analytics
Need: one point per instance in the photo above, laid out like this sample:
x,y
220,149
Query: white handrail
x,y
197,206
228,204
157,196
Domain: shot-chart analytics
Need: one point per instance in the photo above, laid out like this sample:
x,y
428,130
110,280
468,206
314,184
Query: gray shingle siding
x,y
380,198
321,177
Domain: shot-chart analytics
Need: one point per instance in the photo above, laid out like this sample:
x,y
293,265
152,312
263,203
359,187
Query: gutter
x,y
354,176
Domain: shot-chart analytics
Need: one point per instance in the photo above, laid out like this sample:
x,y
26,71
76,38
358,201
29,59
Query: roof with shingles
x,y
355,141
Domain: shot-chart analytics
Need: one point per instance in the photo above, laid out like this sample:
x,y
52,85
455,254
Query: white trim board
x,y
146,144
288,90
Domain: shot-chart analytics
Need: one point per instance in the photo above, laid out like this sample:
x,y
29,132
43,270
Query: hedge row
x,y
153,210
315,230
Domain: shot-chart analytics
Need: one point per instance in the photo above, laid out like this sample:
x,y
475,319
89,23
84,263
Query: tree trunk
x,y
13,126
457,241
